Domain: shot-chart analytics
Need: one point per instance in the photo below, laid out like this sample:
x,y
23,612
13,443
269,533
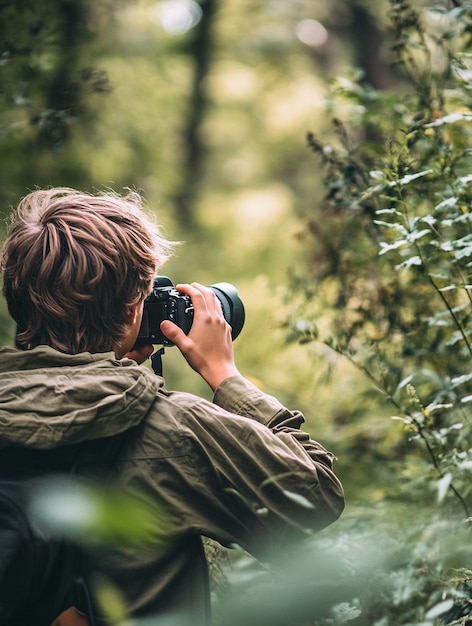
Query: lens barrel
x,y
231,305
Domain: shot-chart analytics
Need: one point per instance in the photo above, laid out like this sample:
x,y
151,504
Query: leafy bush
x,y
389,287
395,267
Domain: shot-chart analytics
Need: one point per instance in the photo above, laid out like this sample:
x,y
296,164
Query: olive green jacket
x,y
238,470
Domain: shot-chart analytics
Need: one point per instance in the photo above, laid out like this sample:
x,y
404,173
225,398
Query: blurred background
x,y
256,130
205,107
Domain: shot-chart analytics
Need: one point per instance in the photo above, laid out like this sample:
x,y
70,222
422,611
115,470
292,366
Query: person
x,y
76,270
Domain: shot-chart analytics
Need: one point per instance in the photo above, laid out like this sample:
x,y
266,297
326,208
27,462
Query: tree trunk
x,y
193,145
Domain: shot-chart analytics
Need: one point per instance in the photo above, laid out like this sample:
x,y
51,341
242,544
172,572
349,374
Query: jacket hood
x,y
49,399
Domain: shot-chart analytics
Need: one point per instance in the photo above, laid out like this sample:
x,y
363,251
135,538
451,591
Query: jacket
x,y
237,470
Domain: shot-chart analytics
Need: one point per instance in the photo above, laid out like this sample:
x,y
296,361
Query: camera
x,y
166,303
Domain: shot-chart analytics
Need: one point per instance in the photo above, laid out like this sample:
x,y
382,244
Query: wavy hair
x,y
73,264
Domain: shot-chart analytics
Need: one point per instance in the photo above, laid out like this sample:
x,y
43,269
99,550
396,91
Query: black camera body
x,y
166,303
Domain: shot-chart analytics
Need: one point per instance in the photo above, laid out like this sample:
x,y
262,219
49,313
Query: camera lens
x,y
165,303
231,305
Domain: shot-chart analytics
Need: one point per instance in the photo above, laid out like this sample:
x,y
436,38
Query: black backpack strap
x,y
34,586
40,575
16,548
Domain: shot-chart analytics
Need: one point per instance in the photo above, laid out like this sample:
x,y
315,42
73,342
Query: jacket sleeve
x,y
256,479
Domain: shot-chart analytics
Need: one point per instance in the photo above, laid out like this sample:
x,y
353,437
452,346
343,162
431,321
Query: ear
x,y
133,313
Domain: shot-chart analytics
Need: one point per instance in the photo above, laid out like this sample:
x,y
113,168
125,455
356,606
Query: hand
x,y
140,353
208,348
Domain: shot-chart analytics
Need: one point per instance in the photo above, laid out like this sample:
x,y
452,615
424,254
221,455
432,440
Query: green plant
x,y
395,267
389,287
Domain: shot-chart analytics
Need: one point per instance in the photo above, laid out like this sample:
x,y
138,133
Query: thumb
x,y
172,331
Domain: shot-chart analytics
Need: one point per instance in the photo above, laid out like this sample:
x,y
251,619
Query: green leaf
x,y
388,247
406,180
442,486
377,175
273,479
393,226
452,118
460,380
465,180
414,236
93,513
299,499
448,203
429,219
413,261
439,609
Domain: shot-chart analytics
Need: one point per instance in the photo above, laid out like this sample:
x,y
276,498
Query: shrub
x,y
391,262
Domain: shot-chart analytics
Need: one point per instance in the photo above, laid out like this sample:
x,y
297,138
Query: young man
x,y
77,269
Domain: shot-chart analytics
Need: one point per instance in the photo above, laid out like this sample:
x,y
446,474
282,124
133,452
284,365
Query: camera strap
x,y
156,361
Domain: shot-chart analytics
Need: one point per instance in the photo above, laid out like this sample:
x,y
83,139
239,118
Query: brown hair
x,y
74,263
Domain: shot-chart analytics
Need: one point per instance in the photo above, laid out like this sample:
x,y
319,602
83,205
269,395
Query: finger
x,y
173,332
202,297
140,353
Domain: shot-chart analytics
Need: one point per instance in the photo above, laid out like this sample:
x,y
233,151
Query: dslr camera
x,y
166,303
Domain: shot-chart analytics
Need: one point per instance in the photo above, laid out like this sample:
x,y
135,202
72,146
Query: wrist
x,y
214,376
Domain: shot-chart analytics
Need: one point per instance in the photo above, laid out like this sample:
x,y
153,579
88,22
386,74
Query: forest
x,y
319,157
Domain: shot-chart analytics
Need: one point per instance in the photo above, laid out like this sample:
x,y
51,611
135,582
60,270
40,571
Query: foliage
x,y
50,87
388,283
49,80
95,514
389,286
45,80
397,239
380,572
